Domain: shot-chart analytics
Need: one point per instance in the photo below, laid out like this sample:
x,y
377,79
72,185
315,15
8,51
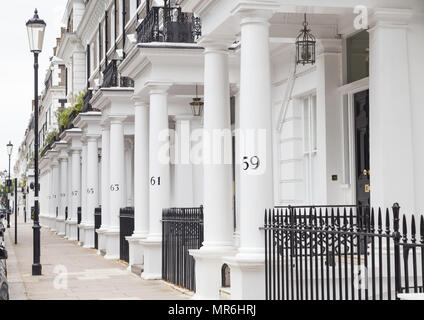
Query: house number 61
x,y
154,181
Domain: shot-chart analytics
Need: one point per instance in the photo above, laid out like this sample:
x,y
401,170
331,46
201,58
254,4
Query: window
x,y
309,143
357,49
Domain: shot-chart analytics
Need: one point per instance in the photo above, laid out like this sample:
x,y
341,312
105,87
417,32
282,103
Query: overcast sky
x,y
16,66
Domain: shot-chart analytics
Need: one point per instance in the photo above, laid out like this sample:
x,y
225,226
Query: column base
x,y
72,231
247,276
82,234
66,229
89,237
112,244
209,262
60,226
52,224
101,239
152,248
136,250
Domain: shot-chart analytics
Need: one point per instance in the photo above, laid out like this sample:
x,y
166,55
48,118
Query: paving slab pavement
x,y
71,272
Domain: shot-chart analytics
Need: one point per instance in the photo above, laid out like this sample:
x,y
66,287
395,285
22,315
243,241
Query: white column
x,y
391,144
183,169
75,194
129,159
328,125
256,182
49,196
117,173
217,172
83,191
63,194
56,194
52,213
105,187
158,178
92,190
141,182
69,194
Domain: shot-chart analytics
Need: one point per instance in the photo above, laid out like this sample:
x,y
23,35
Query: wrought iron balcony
x,y
86,106
71,119
169,24
112,78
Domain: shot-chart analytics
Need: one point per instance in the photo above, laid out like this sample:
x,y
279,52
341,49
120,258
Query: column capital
x,y
158,87
255,11
219,43
390,17
92,137
117,119
329,46
183,117
105,124
140,101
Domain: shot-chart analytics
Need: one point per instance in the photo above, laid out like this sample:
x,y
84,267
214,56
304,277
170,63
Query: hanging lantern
x,y
305,46
197,105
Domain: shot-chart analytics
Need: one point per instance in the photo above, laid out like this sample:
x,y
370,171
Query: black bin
x,y
126,229
97,225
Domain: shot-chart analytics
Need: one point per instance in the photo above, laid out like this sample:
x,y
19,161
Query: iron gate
x,y
182,230
341,253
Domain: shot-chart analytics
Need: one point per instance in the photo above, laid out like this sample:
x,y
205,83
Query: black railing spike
x,y
413,230
387,220
345,221
422,229
372,221
404,229
351,220
380,227
265,217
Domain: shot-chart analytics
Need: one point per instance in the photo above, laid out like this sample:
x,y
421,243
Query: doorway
x,y
362,147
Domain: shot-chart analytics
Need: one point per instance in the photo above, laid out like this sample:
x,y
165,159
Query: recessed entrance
x,y
362,147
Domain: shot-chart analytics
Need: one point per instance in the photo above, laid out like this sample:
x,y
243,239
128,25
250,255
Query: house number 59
x,y
251,163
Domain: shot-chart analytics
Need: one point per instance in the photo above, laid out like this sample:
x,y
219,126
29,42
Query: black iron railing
x,y
66,214
71,119
112,78
169,24
86,106
339,253
79,217
126,227
97,225
182,230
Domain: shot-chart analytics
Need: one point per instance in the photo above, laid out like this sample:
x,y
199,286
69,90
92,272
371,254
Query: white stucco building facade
x,y
344,130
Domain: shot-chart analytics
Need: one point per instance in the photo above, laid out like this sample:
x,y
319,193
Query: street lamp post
x,y
9,152
36,28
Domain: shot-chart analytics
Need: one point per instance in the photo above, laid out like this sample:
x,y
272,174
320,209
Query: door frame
x,y
349,151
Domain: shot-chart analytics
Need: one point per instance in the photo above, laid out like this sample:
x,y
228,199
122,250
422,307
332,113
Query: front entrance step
x,y
137,269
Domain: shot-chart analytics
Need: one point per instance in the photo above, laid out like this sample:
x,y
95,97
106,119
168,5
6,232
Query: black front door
x,y
362,145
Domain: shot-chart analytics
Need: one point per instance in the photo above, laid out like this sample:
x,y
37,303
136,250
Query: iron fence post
x,y
396,237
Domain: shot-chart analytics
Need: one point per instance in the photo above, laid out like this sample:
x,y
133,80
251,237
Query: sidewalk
x,y
71,272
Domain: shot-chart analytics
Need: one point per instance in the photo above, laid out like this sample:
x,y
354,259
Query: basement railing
x,y
182,230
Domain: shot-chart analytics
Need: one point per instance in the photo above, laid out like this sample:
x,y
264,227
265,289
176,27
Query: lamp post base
x,y
36,269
